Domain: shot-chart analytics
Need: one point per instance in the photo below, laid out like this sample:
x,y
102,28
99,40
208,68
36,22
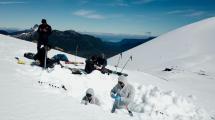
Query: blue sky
x,y
107,16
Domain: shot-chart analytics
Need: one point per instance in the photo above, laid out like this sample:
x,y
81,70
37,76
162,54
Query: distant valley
x,y
83,44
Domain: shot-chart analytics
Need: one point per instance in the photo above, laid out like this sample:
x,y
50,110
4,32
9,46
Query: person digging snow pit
x,y
90,98
122,93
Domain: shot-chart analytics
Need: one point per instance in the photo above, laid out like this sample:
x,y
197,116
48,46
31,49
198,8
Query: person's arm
x,y
39,30
130,96
36,56
113,92
49,30
97,67
105,63
84,100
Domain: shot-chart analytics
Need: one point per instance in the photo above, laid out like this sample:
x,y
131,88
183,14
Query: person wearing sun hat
x,y
90,98
122,93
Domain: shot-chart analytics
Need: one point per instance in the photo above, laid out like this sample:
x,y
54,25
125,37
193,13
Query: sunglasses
x,y
88,95
121,83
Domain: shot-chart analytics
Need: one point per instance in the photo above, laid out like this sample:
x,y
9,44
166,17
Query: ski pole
x,y
76,52
45,58
130,58
120,57
130,113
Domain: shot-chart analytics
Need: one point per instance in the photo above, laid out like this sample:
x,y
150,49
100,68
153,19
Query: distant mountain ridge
x,y
4,32
86,45
114,37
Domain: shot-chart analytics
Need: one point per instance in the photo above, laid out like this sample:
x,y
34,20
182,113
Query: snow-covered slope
x,y
194,40
189,51
22,97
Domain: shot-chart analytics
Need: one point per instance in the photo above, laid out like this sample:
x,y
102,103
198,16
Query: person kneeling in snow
x,y
62,57
96,63
101,63
90,98
90,64
123,93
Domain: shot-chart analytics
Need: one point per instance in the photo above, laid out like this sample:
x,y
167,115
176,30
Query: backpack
x,y
29,55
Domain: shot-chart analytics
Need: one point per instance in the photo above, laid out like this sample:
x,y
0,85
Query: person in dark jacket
x,y
44,30
90,64
96,63
40,56
102,63
60,57
101,60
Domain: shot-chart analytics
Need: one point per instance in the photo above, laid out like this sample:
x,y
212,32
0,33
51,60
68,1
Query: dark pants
x,y
41,42
49,63
115,106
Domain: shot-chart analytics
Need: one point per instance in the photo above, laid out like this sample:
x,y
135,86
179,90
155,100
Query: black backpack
x,y
29,55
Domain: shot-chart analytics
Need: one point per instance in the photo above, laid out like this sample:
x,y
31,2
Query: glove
x,y
113,96
118,98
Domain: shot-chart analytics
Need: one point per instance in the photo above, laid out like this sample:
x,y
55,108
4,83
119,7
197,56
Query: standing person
x,y
123,93
44,30
90,98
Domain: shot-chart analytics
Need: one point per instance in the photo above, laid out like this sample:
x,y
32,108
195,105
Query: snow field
x,y
25,98
189,50
150,102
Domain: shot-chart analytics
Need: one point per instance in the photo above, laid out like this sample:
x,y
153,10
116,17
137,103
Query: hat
x,y
43,21
122,79
93,57
90,91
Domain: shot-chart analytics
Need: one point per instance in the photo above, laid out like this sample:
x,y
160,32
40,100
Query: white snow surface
x,y
189,51
23,98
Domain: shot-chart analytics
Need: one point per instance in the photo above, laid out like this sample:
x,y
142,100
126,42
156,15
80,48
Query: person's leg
x,y
38,45
114,107
50,63
104,70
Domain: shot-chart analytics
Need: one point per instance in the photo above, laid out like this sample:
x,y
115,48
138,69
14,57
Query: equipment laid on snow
x,y
117,73
52,85
29,55
104,71
168,69
130,58
75,70
64,87
120,57
75,63
57,57
19,61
